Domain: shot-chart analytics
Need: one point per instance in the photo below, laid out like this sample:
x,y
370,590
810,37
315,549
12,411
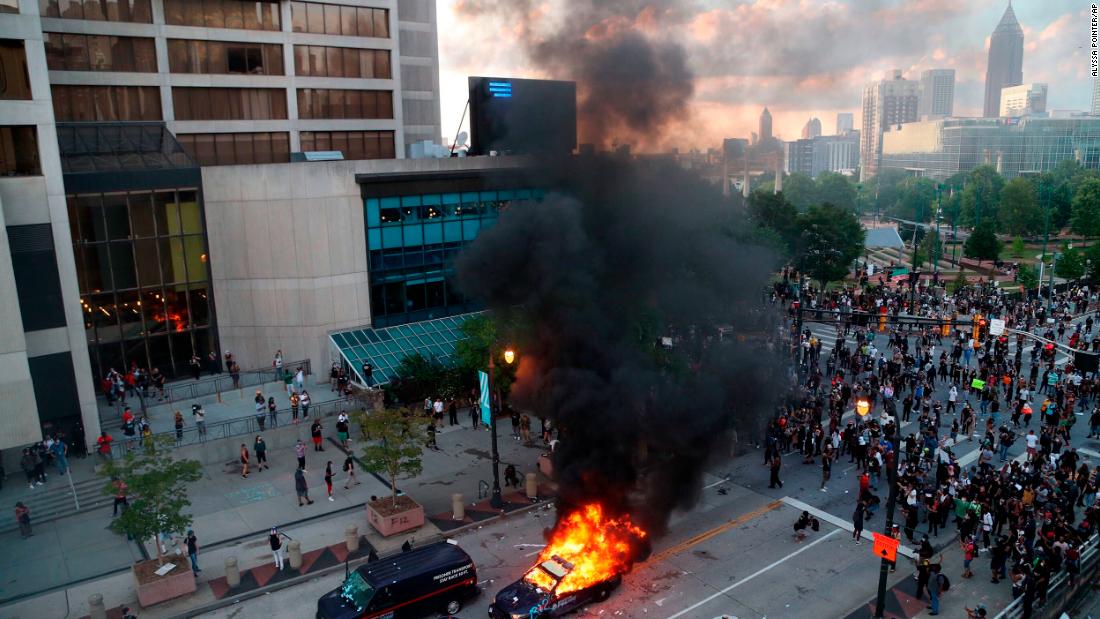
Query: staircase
x,y
55,500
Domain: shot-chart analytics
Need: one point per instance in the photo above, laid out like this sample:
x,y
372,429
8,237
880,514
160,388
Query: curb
x,y
297,580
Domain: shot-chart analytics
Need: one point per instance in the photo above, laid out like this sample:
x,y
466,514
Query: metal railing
x,y
224,382
1060,592
228,428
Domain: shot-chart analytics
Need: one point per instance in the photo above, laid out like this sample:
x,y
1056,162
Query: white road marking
x,y
754,574
837,521
717,483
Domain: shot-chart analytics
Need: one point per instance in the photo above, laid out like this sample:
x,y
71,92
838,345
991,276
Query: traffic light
x,y
979,330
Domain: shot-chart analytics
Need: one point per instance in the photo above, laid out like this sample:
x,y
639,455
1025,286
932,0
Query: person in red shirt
x,y
104,443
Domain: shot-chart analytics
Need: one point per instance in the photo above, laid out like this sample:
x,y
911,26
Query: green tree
x,y
885,187
836,189
1018,248
1028,276
395,440
1071,265
915,198
157,485
480,334
959,282
830,239
981,196
800,190
929,248
774,212
423,377
982,243
1092,262
1054,193
1086,209
1019,212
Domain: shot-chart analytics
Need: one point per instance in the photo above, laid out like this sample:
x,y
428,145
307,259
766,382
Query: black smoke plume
x,y
632,80
619,256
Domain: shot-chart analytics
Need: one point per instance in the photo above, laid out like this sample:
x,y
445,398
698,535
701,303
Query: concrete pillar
x,y
96,609
351,537
532,487
458,506
232,573
294,550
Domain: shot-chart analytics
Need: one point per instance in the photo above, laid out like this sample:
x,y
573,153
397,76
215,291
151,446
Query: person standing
x,y
200,419
103,445
776,464
60,451
261,408
278,364
177,420
274,539
315,430
300,380
260,447
452,413
857,523
120,495
935,588
300,453
305,404
27,464
244,461
193,551
196,367
342,429
273,412
295,400
23,518
826,469
349,468
301,487
328,479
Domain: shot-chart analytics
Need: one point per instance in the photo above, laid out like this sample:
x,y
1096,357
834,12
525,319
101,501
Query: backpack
x,y
945,583
815,525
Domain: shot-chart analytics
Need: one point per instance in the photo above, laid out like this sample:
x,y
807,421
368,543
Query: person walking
x,y
301,487
935,588
193,551
275,540
23,518
349,468
244,461
273,412
300,453
328,479
120,495
103,445
60,451
857,523
260,447
315,431
305,401
177,419
261,408
826,469
776,464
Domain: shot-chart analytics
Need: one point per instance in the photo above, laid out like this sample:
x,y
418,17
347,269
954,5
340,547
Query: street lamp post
x,y
884,567
496,500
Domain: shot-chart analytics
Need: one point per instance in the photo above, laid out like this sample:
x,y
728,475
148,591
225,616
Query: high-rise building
x,y
109,113
1005,66
1023,100
765,134
811,129
937,93
824,153
845,121
886,103
1095,111
1026,146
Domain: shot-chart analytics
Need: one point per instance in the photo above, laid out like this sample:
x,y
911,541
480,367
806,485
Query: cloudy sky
x,y
801,58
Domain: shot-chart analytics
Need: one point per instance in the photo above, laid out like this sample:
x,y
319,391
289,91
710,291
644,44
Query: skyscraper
x,y
1023,100
937,92
765,134
1006,61
845,121
1095,96
811,129
886,103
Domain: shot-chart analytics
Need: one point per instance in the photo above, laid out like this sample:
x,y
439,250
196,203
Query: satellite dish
x,y
460,141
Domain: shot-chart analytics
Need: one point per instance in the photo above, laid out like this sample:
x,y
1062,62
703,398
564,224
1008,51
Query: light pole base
x,y
496,501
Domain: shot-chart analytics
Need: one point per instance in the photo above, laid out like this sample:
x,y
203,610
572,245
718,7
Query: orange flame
x,y
599,548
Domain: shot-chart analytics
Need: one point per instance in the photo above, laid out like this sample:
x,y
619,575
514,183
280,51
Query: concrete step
x,y
55,500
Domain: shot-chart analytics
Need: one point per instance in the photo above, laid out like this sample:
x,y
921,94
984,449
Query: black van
x,y
427,580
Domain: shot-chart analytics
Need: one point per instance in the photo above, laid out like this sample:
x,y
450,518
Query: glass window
x,y
148,265
347,21
315,18
298,16
93,267
381,64
301,60
13,69
19,151
122,265
9,6
234,14
332,19
172,260
382,23
253,20
212,12
334,61
351,62
141,215
365,22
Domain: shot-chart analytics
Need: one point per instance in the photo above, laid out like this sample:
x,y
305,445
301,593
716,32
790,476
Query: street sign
x,y
885,547
486,411
996,326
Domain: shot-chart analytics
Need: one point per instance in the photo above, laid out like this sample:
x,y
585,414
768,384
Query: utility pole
x,y
1044,196
1050,295
884,567
798,324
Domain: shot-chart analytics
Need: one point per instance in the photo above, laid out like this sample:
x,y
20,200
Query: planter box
x,y
153,589
389,520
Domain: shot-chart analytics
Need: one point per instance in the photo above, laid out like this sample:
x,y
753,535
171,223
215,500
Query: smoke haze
x,y
624,254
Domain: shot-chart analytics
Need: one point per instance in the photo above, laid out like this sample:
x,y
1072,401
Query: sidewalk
x,y
232,515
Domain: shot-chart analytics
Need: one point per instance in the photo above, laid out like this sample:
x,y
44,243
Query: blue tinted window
x,y
374,238
413,236
391,237
487,195
433,198
372,212
410,200
451,198
433,233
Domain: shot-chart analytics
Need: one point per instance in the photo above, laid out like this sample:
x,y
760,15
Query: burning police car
x,y
545,592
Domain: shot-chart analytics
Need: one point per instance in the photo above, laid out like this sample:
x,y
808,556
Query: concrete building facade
x,y
1023,100
937,93
845,121
886,104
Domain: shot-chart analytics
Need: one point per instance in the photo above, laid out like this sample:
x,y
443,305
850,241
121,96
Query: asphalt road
x,y
733,555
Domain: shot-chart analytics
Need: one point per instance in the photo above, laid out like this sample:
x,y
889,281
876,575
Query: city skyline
x,y
796,80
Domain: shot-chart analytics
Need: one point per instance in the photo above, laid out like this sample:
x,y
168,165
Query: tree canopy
x,y
1071,264
982,243
981,196
395,440
1019,212
1086,208
830,240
